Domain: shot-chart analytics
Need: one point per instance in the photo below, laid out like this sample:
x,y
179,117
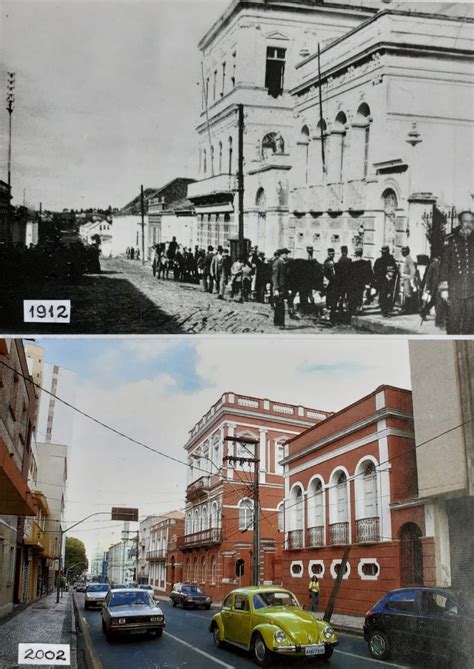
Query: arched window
x,y
281,517
213,569
338,508
230,155
321,159
261,199
272,143
279,455
204,518
316,510
220,157
196,525
390,206
189,523
212,160
245,514
304,144
362,121
203,570
188,569
341,490
339,139
215,514
196,570
204,161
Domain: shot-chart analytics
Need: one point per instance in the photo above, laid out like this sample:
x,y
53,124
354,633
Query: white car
x,y
95,595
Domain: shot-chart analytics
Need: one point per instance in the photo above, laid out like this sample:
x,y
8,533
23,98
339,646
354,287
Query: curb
x,y
362,323
91,659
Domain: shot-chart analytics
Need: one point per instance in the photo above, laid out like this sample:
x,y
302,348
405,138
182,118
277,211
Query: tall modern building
x,y
55,419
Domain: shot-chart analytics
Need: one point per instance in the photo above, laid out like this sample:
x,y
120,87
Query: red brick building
x,y
164,558
219,505
352,480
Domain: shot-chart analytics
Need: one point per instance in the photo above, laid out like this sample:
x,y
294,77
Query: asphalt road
x,y
187,644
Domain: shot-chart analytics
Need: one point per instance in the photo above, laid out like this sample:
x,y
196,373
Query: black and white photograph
x,y
236,166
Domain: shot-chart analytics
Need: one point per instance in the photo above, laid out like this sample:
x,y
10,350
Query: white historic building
x,y
397,128
382,70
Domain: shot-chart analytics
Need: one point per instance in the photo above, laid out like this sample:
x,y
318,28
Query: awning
x,y
225,207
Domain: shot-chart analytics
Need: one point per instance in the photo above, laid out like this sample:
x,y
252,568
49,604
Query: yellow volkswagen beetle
x,y
269,620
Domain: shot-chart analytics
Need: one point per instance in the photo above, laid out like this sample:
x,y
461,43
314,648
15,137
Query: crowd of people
x,y
340,286
49,259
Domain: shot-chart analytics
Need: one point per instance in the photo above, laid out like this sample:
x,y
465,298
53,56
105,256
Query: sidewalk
x,y
371,320
44,621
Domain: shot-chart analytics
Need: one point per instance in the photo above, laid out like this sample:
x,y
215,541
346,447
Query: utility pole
x,y
337,584
138,543
10,107
240,178
256,500
142,206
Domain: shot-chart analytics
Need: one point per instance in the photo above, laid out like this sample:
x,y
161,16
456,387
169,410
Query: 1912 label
x,y
44,653
47,311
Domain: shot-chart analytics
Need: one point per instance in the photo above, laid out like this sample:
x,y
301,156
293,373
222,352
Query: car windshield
x,y
275,598
191,590
131,599
100,587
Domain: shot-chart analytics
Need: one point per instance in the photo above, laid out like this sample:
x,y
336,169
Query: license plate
x,y
319,649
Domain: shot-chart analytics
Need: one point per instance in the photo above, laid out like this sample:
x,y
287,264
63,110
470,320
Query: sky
x,y
107,96
156,389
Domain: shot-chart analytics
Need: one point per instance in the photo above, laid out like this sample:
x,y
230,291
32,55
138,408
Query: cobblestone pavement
x,y
42,622
193,311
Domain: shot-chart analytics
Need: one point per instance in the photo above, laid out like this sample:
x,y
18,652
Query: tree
x,y
75,555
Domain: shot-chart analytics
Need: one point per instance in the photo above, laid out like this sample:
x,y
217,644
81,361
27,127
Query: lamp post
x,y
10,107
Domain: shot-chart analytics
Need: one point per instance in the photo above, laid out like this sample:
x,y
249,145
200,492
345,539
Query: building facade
x,y
219,496
443,410
351,481
396,93
122,562
144,546
17,416
55,419
165,565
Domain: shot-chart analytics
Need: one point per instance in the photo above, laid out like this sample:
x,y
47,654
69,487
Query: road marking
x,y
202,652
371,659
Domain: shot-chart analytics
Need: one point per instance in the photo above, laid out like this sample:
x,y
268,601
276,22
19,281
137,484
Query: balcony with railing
x,y
339,533
315,536
295,539
36,537
219,183
208,537
367,530
198,488
157,554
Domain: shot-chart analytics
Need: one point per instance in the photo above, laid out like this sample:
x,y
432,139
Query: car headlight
x,y
328,632
122,621
280,636
156,619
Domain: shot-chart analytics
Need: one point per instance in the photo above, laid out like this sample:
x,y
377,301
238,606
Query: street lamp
x,y
10,107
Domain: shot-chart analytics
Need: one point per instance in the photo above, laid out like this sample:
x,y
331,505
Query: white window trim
x,y
333,572
294,564
363,576
323,568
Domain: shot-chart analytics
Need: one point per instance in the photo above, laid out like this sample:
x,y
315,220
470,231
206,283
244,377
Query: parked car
x,y
187,594
95,595
132,611
434,621
80,587
118,586
269,621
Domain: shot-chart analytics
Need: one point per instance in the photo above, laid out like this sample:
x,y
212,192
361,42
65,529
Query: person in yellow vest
x,y
314,593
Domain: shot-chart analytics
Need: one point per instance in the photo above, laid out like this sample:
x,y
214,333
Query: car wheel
x,y
173,601
207,607
261,654
328,652
379,645
216,635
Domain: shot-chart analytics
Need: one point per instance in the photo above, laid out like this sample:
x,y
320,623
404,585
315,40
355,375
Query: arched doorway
x,y
390,205
261,204
173,571
411,555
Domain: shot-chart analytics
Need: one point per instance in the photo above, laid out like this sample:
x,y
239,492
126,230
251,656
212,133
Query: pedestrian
x,y
127,252
216,267
431,294
386,280
314,593
236,278
360,276
172,248
409,283
207,278
457,277
132,253
137,253
247,277
279,283
342,269
224,272
331,286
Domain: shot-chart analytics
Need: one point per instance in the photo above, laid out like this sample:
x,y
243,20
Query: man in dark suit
x,y
386,280
360,276
457,277
279,287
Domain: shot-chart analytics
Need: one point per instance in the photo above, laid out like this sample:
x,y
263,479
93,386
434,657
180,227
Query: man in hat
x,y
331,289
360,276
457,277
279,283
342,268
408,281
223,269
386,280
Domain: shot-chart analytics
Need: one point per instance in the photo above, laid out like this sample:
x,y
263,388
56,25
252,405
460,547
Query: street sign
x,y
122,513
